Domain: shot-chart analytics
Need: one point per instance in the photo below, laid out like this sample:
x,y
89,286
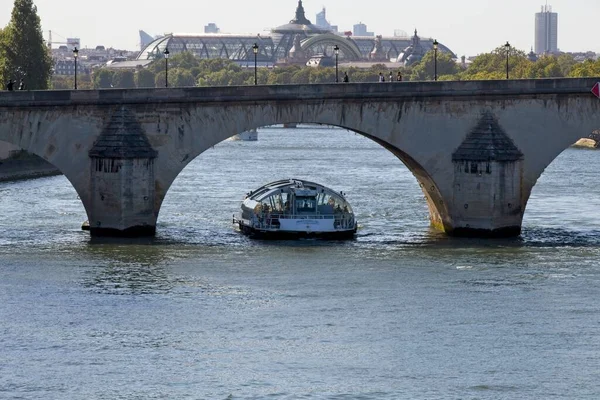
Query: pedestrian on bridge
x,y
21,84
10,85
381,77
346,78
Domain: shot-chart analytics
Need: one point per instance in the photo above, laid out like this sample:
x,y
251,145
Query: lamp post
x,y
166,53
255,50
435,47
75,54
507,47
336,50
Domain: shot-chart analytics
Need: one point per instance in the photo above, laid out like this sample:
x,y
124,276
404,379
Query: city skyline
x,y
473,28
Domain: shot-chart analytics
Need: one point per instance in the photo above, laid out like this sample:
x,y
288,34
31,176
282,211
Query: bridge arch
x,y
43,135
433,196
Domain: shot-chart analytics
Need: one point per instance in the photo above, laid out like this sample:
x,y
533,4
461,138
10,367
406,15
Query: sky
x,y
467,27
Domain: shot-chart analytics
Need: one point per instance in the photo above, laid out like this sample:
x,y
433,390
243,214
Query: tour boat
x,y
250,135
295,208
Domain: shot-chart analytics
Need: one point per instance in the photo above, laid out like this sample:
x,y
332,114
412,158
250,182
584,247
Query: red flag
x,y
596,89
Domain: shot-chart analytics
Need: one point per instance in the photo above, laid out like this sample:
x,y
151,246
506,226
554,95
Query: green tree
x,y
61,82
184,60
195,71
566,62
123,79
144,78
588,68
322,75
24,55
301,76
425,69
103,79
3,56
159,79
493,65
180,77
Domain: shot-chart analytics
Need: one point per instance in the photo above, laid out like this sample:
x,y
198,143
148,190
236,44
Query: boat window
x,y
346,207
305,204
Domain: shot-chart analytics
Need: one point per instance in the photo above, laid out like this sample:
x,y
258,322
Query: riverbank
x,y
13,169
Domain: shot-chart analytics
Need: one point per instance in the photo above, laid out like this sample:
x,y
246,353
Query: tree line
x,y
185,69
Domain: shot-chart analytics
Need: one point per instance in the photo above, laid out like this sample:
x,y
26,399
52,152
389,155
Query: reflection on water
x,y
129,279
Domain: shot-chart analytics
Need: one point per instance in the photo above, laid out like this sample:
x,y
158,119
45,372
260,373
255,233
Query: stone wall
x,y
23,165
7,149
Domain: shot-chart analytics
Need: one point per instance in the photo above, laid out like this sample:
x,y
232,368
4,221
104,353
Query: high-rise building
x,y
323,23
546,31
211,28
145,39
360,29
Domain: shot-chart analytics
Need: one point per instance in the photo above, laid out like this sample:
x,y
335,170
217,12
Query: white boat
x,y
250,135
295,208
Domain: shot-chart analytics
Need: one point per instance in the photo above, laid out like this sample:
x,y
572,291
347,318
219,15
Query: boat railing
x,y
271,220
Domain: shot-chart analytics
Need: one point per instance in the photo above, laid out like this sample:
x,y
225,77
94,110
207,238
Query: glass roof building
x,y
275,48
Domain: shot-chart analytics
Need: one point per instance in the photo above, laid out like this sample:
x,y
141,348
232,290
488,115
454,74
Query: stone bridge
x,y
476,148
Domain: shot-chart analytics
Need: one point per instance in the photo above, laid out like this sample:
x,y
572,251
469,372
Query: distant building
x,y
360,29
145,39
321,60
67,67
73,42
323,23
211,28
293,42
414,53
582,56
546,31
88,59
532,56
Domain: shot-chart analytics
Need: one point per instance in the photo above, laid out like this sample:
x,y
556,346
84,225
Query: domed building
x,y
532,56
283,36
299,36
414,53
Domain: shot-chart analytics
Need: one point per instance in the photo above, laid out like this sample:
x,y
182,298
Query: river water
x,y
202,312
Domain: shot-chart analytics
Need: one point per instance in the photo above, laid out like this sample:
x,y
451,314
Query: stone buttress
x,y
487,187
122,180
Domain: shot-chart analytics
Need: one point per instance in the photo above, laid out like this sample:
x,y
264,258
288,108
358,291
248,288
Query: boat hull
x,y
249,136
292,235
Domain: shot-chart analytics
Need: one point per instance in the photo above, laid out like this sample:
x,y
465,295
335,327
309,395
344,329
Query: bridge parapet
x,y
494,89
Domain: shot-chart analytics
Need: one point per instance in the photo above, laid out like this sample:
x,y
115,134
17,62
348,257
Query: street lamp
x,y
166,53
507,47
336,50
435,47
255,50
75,54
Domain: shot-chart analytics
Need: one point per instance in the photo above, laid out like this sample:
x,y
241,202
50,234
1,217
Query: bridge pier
x,y
486,196
122,180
